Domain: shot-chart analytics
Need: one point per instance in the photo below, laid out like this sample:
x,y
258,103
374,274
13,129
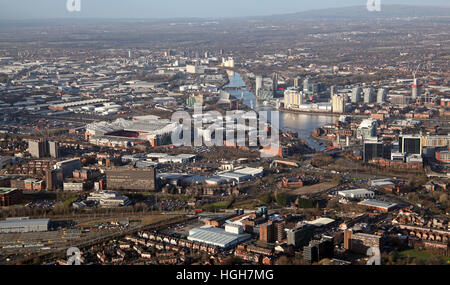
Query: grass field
x,y
422,254
312,189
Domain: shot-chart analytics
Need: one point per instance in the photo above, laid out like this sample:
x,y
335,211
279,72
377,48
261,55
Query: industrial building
x,y
378,205
24,225
134,179
242,174
109,199
223,238
356,193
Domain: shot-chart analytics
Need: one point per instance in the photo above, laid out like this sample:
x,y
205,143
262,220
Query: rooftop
x,y
216,236
377,203
4,191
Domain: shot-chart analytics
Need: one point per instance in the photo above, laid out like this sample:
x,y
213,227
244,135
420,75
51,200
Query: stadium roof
x,y
151,126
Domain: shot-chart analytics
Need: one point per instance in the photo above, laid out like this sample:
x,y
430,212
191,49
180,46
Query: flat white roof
x,y
216,236
377,203
360,191
321,222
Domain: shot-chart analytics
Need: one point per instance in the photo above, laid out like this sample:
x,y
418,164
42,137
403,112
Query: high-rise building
x,y
292,98
279,232
306,86
356,95
53,148
410,144
299,237
297,81
416,89
368,95
338,103
275,82
38,148
332,90
361,242
43,148
266,232
54,179
258,85
381,95
319,249
372,149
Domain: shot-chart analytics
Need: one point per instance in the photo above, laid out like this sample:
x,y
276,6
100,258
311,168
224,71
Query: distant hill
x,y
360,12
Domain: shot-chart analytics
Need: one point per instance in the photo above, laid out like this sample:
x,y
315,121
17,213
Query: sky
x,y
143,9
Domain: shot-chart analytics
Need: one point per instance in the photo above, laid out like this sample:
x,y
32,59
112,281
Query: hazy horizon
x,y
172,9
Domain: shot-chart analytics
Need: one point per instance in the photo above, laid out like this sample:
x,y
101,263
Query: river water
x,y
303,124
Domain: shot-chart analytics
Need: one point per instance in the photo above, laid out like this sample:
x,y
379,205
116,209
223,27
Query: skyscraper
x,y
368,95
38,148
356,95
292,98
297,82
258,84
416,89
381,95
306,85
275,82
338,103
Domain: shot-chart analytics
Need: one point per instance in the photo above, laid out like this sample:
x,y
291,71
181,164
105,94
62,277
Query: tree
x,y
265,198
281,199
433,260
283,260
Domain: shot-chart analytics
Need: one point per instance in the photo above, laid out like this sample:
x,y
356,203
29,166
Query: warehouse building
x,y
24,225
133,179
356,193
219,237
378,205
242,174
109,199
